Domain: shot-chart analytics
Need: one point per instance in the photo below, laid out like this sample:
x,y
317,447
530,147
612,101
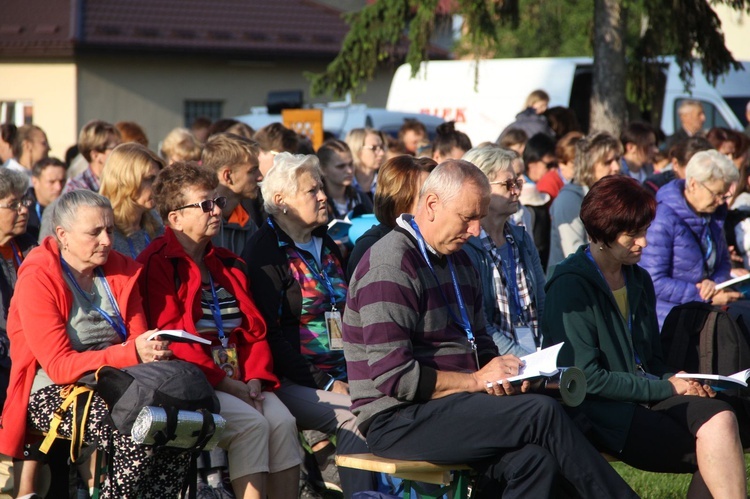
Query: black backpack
x,y
701,338
173,385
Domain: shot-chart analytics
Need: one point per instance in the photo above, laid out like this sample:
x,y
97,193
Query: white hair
x,y
283,177
491,159
711,165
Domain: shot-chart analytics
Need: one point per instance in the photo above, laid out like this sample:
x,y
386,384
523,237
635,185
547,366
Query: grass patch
x,y
660,485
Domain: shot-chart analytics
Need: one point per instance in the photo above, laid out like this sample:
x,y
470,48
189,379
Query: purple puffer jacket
x,y
674,256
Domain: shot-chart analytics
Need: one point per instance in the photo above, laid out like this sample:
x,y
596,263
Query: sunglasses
x,y
206,205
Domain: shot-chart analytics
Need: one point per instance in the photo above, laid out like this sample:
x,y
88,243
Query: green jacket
x,y
581,311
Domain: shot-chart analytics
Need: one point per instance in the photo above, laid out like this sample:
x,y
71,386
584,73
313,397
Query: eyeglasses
x,y
17,205
375,148
206,205
720,197
510,185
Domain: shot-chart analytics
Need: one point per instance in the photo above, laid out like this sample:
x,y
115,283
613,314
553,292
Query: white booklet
x,y
718,382
731,283
178,335
541,363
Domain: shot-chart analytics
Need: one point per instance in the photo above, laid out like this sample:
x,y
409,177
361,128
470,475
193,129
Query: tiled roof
x,y
35,28
283,27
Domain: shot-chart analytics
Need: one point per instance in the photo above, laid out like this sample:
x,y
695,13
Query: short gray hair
x,y
711,165
13,183
283,177
492,159
447,179
66,207
688,103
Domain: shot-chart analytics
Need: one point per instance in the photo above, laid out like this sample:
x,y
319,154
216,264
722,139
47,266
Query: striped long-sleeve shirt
x,y
397,328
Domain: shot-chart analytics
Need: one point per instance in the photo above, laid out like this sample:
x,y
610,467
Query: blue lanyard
x,y
464,322
116,322
16,253
216,312
630,315
38,209
709,244
320,275
131,246
509,270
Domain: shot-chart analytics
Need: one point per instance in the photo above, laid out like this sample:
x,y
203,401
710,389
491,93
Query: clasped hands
x,y
493,377
682,386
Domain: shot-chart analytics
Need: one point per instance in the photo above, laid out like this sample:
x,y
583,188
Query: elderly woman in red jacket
x,y
189,284
76,307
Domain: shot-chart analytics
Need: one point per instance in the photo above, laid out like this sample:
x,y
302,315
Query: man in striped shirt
x,y
425,378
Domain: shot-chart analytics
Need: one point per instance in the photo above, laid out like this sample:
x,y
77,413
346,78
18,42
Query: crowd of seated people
x,y
223,233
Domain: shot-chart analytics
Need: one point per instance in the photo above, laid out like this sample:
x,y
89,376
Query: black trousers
x,y
525,442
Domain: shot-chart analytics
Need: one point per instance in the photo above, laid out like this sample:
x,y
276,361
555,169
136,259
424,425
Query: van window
x,y
738,105
713,116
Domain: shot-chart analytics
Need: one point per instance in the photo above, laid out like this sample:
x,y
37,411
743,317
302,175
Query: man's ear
x,y
225,175
432,205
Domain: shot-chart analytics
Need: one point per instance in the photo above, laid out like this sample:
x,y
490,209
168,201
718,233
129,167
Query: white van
x,y
338,117
483,108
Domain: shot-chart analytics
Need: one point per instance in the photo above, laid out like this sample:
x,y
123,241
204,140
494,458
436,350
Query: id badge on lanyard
x,y
334,330
226,358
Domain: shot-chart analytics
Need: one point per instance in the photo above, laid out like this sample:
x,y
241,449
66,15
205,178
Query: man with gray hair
x,y
425,378
692,119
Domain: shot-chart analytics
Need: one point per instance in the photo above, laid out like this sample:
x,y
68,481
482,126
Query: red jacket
x,y
37,330
550,183
173,302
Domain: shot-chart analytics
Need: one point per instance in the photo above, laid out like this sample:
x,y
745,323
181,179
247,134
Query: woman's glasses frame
x,y
207,205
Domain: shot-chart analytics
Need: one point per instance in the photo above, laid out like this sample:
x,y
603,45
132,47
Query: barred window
x,y
211,109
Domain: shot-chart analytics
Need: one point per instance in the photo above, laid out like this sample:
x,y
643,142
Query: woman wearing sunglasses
x,y
506,258
687,255
189,284
297,278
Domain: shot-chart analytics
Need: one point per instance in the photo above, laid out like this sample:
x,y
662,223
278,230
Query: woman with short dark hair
x,y
602,305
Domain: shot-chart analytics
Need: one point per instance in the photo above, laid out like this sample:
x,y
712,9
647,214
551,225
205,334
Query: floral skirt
x,y
134,470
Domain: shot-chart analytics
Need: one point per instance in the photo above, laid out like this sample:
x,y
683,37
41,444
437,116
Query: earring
x,y
284,211
601,248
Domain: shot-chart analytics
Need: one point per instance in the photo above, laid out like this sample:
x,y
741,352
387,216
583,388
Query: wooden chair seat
x,y
451,477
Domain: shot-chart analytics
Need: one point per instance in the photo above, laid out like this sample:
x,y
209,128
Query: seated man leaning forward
x,y
425,378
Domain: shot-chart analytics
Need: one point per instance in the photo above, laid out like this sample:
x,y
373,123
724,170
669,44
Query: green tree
x,y
638,31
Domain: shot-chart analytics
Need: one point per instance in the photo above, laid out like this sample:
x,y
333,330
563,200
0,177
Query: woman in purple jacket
x,y
687,254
